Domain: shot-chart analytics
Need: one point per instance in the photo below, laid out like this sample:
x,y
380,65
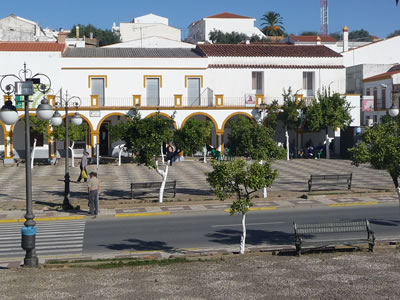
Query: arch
x,y
83,117
107,116
162,114
201,114
242,113
19,118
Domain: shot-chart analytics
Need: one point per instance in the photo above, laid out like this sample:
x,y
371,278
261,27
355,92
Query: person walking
x,y
83,165
93,191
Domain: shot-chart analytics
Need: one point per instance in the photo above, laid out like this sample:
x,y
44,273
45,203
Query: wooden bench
x,y
301,230
333,179
170,186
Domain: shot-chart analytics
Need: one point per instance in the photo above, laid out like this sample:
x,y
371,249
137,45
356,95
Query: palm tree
x,y
273,23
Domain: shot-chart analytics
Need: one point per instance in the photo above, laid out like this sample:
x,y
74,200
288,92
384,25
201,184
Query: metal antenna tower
x,y
324,17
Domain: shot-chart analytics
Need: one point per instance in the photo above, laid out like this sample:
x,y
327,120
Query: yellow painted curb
x,y
354,204
256,208
142,214
43,219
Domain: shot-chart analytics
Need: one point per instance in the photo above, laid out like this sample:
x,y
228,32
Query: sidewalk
x,y
168,208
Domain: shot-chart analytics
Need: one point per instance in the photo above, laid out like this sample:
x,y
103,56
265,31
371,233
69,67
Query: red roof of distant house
x,y
226,15
266,50
313,38
32,46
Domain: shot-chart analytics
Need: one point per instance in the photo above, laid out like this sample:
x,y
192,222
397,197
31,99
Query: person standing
x,y
83,165
93,190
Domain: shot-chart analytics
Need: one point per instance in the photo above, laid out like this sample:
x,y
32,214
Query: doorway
x,y
104,139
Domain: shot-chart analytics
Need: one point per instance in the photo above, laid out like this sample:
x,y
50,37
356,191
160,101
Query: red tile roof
x,y
32,46
381,76
265,50
226,15
313,38
251,66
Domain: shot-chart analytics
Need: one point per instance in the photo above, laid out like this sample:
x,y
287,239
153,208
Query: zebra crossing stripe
x,y
52,237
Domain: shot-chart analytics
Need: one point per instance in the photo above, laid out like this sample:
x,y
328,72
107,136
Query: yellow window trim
x,y
98,76
152,76
194,76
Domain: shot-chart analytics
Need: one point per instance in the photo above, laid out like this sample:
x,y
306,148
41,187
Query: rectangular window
x,y
308,83
153,91
375,98
193,86
368,92
383,95
97,85
257,82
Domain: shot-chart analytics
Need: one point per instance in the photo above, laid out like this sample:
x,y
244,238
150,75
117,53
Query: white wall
x,y
151,18
152,42
382,52
135,31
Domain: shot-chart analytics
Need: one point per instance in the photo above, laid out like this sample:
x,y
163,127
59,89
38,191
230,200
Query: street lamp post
x,y
56,121
9,115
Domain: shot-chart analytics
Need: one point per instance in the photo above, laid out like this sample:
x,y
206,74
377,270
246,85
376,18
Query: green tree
x,y
271,119
219,37
237,178
105,37
75,133
143,138
192,137
360,36
250,139
394,33
330,110
273,23
336,35
290,115
380,147
38,126
308,33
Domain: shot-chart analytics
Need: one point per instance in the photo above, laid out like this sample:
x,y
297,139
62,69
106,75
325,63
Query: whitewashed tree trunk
x,y
398,194
205,154
72,155
97,156
265,192
162,154
163,174
287,144
327,142
243,238
121,148
33,152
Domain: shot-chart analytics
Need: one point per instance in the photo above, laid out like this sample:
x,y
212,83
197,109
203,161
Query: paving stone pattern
x,y
48,185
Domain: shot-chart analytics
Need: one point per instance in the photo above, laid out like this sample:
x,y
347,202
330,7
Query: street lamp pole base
x,y
31,262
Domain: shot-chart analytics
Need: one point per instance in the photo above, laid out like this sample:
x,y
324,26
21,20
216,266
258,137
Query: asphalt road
x,y
172,232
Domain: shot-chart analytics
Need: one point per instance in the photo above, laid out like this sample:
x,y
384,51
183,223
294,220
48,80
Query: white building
x,y
149,31
14,28
385,91
213,82
199,31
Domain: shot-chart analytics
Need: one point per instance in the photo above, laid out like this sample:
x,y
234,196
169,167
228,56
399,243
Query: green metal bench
x,y
333,179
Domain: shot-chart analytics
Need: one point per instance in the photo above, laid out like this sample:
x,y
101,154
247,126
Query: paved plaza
x,y
48,185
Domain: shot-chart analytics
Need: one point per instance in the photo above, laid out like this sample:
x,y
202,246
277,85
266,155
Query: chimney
x,y
345,38
318,40
247,42
77,33
62,36
91,35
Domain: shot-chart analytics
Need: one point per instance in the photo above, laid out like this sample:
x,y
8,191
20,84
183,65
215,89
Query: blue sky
x,y
379,17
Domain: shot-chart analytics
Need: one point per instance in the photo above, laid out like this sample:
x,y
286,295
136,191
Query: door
x,y
194,91
104,139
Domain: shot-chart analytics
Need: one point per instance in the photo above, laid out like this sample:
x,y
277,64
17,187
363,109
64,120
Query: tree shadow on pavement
x,y
140,245
253,237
